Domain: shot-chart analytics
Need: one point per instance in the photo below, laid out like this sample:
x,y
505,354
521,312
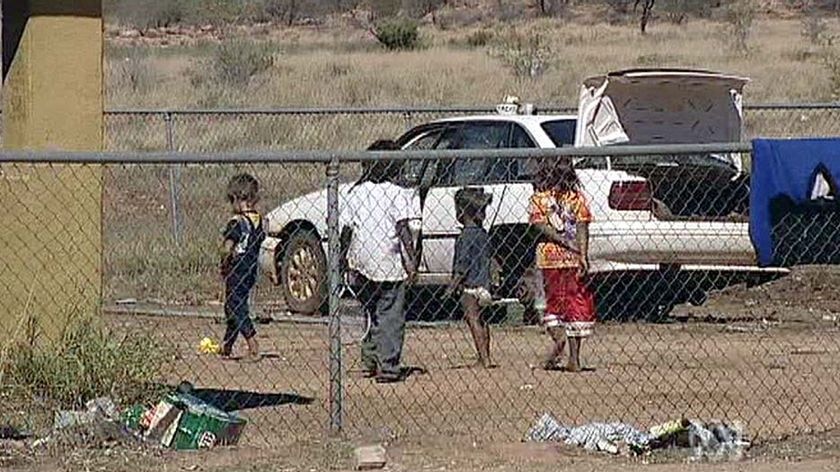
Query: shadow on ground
x,y
237,400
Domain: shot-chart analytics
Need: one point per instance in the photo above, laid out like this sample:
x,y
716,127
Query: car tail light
x,y
630,196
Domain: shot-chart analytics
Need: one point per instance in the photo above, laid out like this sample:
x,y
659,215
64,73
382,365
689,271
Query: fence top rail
x,y
412,109
265,157
312,111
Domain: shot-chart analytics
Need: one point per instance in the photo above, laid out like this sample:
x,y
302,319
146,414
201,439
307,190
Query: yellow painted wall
x,y
50,219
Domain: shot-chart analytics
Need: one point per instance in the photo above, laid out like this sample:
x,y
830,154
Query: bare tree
x,y
647,11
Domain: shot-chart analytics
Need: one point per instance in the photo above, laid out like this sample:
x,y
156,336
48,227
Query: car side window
x,y
425,141
520,138
412,171
472,135
519,169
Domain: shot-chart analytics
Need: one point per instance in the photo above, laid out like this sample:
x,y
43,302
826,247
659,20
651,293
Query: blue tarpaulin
x,y
785,168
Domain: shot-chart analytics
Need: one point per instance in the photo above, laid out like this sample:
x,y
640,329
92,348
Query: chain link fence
x,y
758,350
355,128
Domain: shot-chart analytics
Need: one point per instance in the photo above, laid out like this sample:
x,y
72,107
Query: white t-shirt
x,y
373,212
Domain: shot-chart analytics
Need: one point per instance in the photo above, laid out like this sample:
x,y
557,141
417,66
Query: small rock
x,y
130,34
370,457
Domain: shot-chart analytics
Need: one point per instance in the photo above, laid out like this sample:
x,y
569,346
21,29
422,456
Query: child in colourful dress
x,y
559,210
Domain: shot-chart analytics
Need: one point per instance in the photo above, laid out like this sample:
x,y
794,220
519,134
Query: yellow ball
x,y
209,346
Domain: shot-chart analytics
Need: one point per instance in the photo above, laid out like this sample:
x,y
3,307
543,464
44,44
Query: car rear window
x,y
561,132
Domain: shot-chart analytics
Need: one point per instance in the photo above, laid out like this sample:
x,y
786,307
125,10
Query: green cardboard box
x,y
203,426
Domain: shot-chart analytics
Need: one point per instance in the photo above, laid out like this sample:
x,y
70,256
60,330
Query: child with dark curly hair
x,y
560,211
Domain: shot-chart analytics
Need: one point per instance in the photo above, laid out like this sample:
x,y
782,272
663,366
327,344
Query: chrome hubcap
x,y
302,274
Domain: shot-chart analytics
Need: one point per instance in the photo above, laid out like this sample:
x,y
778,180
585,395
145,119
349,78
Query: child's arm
x,y
229,237
583,243
344,241
227,256
460,266
455,284
409,252
557,237
407,208
538,217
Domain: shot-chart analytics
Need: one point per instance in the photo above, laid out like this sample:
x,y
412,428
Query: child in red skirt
x,y
559,210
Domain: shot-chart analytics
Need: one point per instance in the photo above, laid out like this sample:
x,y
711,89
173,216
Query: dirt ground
x,y
779,378
765,356
804,453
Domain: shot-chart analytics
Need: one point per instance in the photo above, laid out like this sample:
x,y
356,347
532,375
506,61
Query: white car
x,y
649,212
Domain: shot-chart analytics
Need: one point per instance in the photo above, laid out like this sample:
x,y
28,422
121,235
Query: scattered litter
x,y
746,329
606,437
185,387
370,457
526,387
178,421
714,440
808,352
182,421
97,426
97,409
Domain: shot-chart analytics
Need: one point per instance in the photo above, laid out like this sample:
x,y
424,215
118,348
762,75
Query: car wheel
x,y
303,270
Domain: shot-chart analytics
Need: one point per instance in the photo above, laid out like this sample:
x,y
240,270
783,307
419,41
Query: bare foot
x,y
551,366
571,367
252,358
485,364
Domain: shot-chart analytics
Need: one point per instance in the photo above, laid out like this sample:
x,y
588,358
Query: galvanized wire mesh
x,y
349,128
774,369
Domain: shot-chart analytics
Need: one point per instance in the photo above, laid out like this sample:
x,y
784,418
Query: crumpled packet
x,y
604,437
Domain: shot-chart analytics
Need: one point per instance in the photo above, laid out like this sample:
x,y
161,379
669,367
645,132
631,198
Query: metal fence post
x,y
334,282
174,171
407,119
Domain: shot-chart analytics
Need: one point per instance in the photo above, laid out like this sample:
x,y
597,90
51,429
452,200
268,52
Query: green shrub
x,y
815,29
528,55
830,59
88,361
156,13
150,13
398,34
740,16
679,11
236,62
133,72
480,38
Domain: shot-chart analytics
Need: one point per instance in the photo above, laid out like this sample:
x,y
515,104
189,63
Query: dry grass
x,y
344,67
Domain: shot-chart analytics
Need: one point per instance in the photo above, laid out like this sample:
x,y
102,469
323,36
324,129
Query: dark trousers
x,y
237,313
384,303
